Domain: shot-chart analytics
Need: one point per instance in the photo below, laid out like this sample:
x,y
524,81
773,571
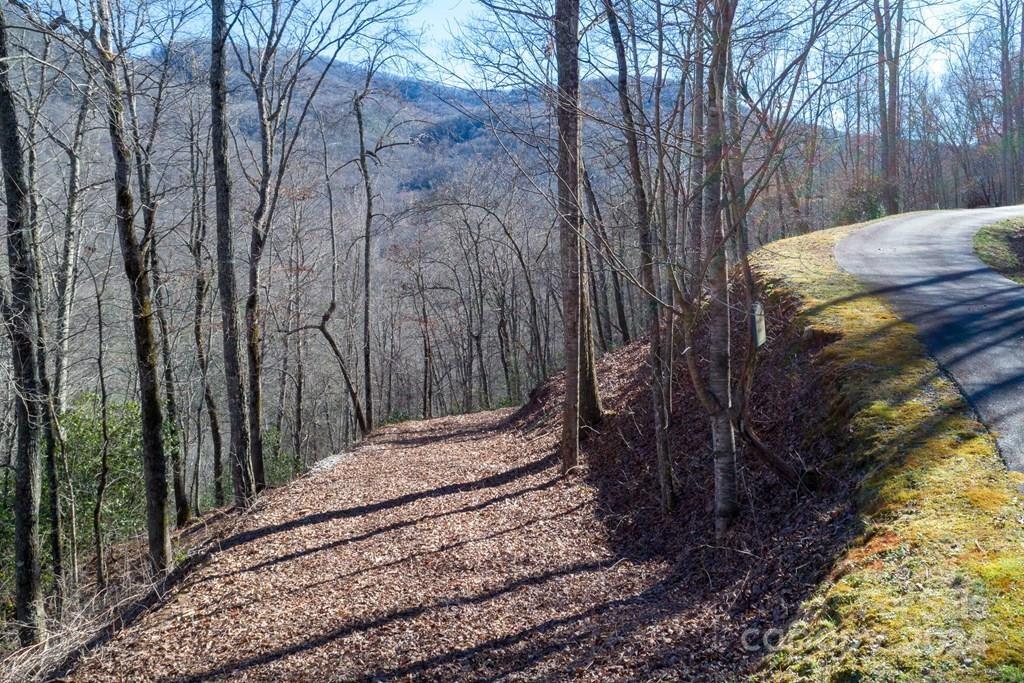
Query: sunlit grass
x,y
994,245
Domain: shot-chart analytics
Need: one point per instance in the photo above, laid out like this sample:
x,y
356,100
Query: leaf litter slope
x,y
450,549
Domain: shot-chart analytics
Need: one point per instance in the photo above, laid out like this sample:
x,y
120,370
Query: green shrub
x,y
124,500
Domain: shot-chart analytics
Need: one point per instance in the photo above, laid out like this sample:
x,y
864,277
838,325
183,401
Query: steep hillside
x,y
451,548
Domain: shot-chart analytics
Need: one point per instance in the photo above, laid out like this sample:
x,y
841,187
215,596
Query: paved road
x,y
971,318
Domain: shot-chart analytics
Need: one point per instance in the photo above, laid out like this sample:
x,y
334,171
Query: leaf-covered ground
x,y
444,549
451,549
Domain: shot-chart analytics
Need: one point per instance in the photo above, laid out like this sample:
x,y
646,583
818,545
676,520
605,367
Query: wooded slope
x,y
451,549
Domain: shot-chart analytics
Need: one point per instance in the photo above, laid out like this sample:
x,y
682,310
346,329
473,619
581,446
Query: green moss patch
x,y
1001,247
934,587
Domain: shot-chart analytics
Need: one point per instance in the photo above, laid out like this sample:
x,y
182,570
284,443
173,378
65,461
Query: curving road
x,y
971,318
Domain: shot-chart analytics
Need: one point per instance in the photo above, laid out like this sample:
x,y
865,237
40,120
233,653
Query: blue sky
x,y
438,21
436,15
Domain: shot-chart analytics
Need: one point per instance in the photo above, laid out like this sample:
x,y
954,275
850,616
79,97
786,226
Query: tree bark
x,y
567,13
68,274
297,428
101,479
428,354
591,412
889,37
183,510
200,290
696,188
364,170
66,282
599,300
254,356
134,257
602,236
52,440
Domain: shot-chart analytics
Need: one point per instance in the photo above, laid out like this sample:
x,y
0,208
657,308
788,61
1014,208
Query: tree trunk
x,y
719,373
239,453
200,290
591,411
49,429
889,43
599,303
135,268
1006,97
52,441
282,389
101,479
696,190
567,14
297,427
55,390
892,170
648,273
504,346
183,510
367,236
254,356
67,276
28,408
349,386
428,362
602,237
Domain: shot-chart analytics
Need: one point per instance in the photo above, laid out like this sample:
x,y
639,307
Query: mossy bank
x,y
1001,246
933,587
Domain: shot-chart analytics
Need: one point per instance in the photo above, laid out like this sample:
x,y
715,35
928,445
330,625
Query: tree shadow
x,y
433,432
973,331
476,507
490,481
408,613
448,547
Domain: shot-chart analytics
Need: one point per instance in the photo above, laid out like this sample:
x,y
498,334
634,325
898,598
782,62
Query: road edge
x,y
934,586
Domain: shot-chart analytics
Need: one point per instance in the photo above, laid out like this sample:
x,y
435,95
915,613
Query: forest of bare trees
x,y
241,235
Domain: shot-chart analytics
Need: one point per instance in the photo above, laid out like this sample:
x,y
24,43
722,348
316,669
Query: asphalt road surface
x,y
970,317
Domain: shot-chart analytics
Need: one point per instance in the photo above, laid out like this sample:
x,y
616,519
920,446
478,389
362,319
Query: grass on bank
x,y
999,245
933,589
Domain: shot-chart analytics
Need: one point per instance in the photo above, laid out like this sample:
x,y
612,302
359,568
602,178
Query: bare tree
x,y
582,404
889,29
134,255
241,465
104,473
198,227
289,48
723,438
648,268
20,315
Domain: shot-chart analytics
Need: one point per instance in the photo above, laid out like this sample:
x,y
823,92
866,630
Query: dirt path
x,y
450,549
443,549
